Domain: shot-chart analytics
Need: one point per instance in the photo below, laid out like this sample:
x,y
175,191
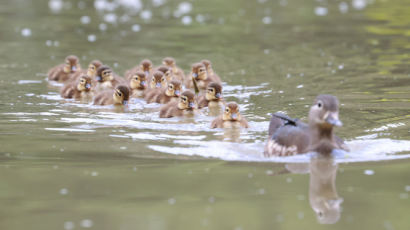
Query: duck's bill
x,y
191,105
177,92
333,119
218,95
88,86
99,78
195,75
73,68
234,116
158,85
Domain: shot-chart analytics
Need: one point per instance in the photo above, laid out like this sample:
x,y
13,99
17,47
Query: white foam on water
x,y
22,82
70,130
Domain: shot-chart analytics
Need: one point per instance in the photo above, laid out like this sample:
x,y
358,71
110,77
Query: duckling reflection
x,y
323,196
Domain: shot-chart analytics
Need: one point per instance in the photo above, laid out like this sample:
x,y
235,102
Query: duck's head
x,y
173,89
146,66
208,66
84,83
158,80
138,81
187,100
104,73
170,62
92,68
121,95
214,92
167,71
324,112
231,112
199,71
71,64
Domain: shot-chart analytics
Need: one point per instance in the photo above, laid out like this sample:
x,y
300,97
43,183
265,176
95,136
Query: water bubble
x,y
146,15
299,86
26,32
172,201
157,3
266,51
124,18
86,223
321,11
269,172
68,225
267,20
341,66
407,188
92,38
200,18
368,172
289,180
186,20
110,18
49,43
184,7
63,191
85,20
94,173
261,191
103,27
56,43
136,28
343,7
55,5
359,4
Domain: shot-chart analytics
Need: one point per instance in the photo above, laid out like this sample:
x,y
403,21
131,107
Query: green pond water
x,y
65,165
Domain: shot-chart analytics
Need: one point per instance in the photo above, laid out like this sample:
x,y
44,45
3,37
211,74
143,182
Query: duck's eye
x,y
184,99
136,78
227,110
119,94
171,86
319,105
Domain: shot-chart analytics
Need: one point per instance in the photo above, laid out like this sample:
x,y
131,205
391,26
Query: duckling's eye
x,y
136,78
184,99
163,79
319,105
171,86
119,94
227,110
153,79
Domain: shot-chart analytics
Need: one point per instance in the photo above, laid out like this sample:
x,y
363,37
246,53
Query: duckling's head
x,y
138,81
121,95
92,68
167,71
199,71
146,66
158,80
84,83
187,100
231,112
174,89
170,62
104,73
208,66
71,64
324,112
214,92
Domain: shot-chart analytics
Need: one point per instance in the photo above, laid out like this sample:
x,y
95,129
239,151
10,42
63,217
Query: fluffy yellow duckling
x,y
173,91
119,96
64,72
185,106
80,89
231,118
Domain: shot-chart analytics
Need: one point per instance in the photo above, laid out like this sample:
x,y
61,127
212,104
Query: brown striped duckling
x,y
163,96
213,96
199,73
119,96
289,136
158,81
80,89
138,84
231,118
185,106
106,79
64,72
177,72
145,66
210,70
167,72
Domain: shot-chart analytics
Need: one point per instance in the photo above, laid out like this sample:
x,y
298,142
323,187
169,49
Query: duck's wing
x,y
287,140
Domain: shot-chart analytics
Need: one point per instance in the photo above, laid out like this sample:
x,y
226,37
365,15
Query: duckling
x,y
158,81
91,71
173,91
107,79
167,72
231,118
199,73
119,96
289,136
185,106
138,84
213,96
64,72
210,70
81,89
177,72
145,66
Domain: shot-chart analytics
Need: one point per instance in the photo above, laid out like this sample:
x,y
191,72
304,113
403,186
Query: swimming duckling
x,y
167,72
212,97
107,79
64,72
80,89
177,72
289,136
185,106
199,73
119,96
91,71
173,91
145,66
210,70
138,84
158,81
231,118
